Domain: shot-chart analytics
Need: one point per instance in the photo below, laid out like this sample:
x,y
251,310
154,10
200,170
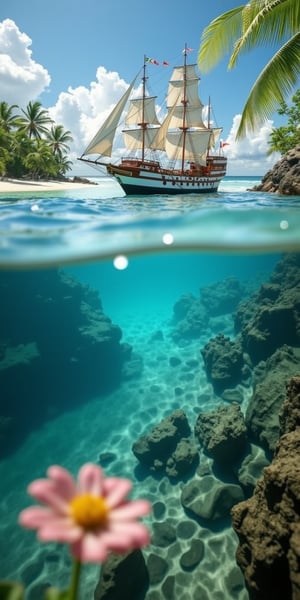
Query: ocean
x,y
110,306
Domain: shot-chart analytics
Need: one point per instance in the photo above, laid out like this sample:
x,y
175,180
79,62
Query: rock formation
x,y
167,448
284,177
57,348
268,524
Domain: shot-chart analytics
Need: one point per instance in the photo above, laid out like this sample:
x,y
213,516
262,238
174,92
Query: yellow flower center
x,y
90,512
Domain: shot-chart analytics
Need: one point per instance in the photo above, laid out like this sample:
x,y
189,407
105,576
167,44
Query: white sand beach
x,y
20,185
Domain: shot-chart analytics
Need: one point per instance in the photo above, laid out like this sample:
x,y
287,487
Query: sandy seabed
x,y
20,185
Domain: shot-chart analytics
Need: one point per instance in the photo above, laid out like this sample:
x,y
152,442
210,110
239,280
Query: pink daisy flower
x,y
92,515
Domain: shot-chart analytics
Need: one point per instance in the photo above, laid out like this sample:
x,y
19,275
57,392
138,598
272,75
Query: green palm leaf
x,y
217,38
274,83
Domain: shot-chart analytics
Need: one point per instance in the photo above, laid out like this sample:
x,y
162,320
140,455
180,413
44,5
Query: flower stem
x,y
74,580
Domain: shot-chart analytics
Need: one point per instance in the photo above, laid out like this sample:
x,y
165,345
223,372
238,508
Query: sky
x,y
77,58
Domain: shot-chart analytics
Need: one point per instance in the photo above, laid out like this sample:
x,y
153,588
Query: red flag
x,y
222,144
152,61
165,63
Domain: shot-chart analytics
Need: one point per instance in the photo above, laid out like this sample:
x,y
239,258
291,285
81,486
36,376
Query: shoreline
x,y
21,185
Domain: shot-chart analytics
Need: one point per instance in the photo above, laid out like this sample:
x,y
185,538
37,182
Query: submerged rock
x,y
210,498
123,577
167,447
223,362
223,434
268,524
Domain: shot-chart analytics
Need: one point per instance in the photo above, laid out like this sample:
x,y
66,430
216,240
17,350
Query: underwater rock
x,y
268,524
251,469
168,588
105,458
166,447
222,297
271,378
271,317
289,416
209,498
157,568
122,577
186,529
223,362
223,434
159,509
184,458
190,318
57,348
164,534
191,558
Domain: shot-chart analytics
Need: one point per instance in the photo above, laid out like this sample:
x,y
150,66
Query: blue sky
x,y
77,57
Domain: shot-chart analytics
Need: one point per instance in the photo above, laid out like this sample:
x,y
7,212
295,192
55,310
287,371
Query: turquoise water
x,y
97,347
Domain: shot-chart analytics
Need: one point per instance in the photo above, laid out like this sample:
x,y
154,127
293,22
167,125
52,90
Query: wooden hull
x,y
147,178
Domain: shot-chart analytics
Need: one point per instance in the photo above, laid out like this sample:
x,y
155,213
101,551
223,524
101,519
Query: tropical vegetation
x,y
246,27
31,144
286,137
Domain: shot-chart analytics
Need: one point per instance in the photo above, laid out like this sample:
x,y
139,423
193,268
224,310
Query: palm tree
x,y
257,23
7,119
39,161
35,120
57,139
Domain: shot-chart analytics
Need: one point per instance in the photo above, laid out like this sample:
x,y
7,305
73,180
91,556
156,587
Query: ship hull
x,y
137,178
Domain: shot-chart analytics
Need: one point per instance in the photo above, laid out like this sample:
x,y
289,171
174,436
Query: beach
x,y
21,185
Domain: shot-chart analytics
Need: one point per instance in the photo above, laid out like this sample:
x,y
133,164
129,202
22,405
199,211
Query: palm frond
x,y
265,22
217,38
274,83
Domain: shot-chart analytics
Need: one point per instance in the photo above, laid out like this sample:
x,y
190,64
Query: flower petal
x,y
35,516
45,491
90,480
90,548
60,530
64,481
131,510
116,490
136,534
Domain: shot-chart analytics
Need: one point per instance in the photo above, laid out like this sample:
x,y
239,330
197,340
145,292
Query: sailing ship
x,y
182,138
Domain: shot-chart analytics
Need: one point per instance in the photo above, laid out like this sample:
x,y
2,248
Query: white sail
x,y
190,116
177,93
215,134
133,138
102,142
196,144
142,111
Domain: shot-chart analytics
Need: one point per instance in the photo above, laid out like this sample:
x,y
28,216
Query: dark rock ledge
x,y
284,178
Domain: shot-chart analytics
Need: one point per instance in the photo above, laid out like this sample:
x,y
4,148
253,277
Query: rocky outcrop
x,y
284,177
123,577
167,448
223,434
268,524
223,362
271,378
57,348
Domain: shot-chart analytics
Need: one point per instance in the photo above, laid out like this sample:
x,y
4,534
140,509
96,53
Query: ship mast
x,y
184,102
143,124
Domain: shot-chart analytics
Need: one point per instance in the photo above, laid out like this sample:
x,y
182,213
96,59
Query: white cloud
x,y
248,155
22,79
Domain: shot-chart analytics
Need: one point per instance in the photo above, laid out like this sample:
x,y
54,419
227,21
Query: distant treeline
x,y
31,144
